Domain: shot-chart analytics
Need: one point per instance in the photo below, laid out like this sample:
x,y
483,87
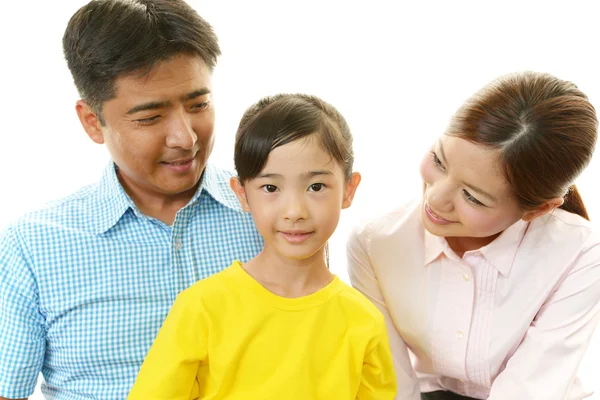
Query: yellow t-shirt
x,y
227,337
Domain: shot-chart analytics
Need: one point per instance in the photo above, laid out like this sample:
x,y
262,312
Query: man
x,y
85,283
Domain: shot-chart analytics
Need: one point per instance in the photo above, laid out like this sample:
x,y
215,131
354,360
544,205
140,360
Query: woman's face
x,y
465,192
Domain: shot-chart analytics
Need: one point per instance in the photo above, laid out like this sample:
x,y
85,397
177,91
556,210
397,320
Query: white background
x,y
396,70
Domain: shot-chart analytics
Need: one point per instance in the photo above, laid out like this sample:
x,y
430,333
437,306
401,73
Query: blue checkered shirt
x,y
86,282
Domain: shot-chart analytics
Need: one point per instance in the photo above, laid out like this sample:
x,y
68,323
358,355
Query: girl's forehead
x,y
300,156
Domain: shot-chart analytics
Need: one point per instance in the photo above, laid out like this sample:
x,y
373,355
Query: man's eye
x,y
200,106
147,121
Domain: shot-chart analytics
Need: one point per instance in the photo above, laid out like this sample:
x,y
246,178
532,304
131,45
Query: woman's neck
x,y
460,245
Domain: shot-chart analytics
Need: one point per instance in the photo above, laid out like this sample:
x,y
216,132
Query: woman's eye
x,y
436,160
316,187
472,199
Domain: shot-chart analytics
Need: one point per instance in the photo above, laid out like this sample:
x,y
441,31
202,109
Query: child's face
x,y
296,199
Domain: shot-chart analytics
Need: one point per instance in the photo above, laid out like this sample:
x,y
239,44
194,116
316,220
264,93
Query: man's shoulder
x,y
71,209
216,184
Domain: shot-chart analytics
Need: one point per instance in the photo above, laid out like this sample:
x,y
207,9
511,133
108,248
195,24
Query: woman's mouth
x,y
434,217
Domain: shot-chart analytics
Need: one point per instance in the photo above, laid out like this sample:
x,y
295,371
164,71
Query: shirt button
x,y
465,277
459,334
178,245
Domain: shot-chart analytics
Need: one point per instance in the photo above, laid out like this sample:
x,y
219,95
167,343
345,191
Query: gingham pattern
x,y
85,284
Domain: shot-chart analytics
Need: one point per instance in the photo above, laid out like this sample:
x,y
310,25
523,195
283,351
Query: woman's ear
x,y
240,192
350,189
543,209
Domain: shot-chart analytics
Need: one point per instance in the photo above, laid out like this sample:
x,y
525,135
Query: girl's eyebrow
x,y
308,174
311,174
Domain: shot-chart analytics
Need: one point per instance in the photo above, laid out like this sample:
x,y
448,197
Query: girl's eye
x,y
316,187
471,199
437,161
269,188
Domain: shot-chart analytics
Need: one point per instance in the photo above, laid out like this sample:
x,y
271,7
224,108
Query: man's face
x,y
159,128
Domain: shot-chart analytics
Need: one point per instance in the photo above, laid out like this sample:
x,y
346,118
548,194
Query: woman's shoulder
x,y
403,219
563,226
562,239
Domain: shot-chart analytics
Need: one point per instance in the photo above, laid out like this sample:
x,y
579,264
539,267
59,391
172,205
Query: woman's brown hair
x,y
545,129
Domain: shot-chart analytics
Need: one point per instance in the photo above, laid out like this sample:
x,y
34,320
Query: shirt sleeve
x,y
180,347
363,278
546,362
22,327
378,381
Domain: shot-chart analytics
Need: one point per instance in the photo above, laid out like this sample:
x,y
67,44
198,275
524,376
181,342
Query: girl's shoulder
x,y
357,306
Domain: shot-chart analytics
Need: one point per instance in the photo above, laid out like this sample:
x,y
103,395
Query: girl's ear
x,y
240,192
350,189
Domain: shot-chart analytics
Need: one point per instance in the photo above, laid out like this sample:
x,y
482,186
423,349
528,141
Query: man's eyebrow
x,y
154,105
195,93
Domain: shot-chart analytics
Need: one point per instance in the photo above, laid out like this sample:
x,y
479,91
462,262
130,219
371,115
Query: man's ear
x,y
90,121
543,209
350,189
240,192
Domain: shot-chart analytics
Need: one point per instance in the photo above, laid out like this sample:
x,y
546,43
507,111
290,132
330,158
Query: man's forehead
x,y
173,77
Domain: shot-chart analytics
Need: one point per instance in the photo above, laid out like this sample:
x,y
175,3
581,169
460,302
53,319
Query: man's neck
x,y
164,211
161,206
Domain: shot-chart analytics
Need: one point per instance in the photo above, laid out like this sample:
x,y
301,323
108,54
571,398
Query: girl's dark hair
x,y
106,39
277,120
545,129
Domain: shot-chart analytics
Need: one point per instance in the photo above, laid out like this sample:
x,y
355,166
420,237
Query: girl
x,y
280,326
492,279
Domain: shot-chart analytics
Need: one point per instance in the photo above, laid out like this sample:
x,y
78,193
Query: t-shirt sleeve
x,y
378,381
22,326
179,349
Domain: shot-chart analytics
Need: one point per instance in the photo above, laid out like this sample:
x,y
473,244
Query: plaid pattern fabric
x,y
86,282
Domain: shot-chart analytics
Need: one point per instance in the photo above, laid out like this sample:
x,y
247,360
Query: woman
x,y
492,279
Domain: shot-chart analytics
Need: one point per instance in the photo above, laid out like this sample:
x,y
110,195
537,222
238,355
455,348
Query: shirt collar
x,y
434,246
500,253
215,183
112,202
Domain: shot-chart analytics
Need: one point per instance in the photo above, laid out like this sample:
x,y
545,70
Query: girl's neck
x,y
287,277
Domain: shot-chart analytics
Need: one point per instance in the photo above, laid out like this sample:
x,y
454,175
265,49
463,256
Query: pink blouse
x,y
511,320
